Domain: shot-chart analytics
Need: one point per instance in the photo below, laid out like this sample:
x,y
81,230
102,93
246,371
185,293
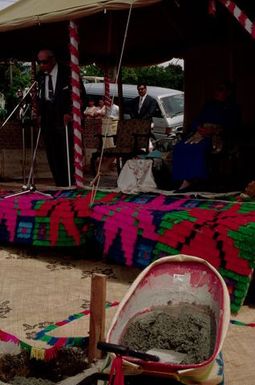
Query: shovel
x,y
126,351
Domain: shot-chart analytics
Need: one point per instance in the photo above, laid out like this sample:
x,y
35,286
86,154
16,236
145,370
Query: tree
x,y
170,76
13,75
91,70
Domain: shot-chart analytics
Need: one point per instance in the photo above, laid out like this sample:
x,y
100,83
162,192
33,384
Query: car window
x,y
173,105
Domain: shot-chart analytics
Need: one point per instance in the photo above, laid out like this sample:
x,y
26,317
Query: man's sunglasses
x,y
43,61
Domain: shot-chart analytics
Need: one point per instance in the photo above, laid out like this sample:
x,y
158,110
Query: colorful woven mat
x,y
134,230
60,219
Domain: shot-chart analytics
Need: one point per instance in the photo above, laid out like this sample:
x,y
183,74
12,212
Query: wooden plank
x,y
97,315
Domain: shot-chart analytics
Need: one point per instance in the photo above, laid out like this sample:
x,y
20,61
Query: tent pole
x,y
97,178
76,104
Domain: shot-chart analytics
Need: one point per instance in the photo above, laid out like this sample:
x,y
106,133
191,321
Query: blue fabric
x,y
190,160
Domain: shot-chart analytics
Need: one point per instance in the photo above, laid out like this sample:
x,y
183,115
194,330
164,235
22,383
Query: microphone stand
x,y
29,187
18,105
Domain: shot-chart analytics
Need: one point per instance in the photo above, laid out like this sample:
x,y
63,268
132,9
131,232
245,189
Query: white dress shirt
x,y
141,100
53,73
114,112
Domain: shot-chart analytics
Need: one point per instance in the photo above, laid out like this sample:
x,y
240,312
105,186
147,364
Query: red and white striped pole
x,y
212,7
76,102
107,96
242,18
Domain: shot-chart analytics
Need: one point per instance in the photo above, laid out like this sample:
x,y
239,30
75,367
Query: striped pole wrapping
x,y
107,91
240,16
212,7
76,103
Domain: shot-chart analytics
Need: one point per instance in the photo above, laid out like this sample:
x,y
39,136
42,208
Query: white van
x,y
169,114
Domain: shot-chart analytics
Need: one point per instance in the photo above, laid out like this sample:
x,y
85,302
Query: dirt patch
x,y
30,381
182,328
20,370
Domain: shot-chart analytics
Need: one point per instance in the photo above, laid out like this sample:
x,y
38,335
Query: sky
x,y
174,61
6,3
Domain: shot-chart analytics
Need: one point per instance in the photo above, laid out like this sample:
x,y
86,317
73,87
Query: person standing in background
x,y
113,112
101,109
91,110
143,106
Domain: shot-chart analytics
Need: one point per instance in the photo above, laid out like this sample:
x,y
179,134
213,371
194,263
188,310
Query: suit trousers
x,y
54,135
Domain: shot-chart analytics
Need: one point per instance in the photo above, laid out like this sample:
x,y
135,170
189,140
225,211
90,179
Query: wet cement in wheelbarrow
x,y
183,328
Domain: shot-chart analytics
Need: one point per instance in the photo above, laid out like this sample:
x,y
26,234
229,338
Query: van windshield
x,y
173,105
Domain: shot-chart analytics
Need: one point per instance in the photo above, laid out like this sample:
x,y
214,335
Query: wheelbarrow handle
x,y
126,351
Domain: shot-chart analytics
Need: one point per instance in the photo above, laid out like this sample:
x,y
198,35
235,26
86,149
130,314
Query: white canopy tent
x,y
6,3
27,25
26,13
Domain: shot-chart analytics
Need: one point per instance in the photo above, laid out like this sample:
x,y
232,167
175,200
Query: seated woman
x,y
217,122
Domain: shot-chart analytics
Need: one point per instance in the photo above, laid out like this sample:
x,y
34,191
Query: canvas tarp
x,y
26,13
29,25
157,30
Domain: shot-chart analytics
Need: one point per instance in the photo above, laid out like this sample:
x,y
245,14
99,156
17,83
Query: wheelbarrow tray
x,y
175,279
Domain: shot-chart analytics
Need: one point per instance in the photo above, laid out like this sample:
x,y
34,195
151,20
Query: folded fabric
x,y
154,154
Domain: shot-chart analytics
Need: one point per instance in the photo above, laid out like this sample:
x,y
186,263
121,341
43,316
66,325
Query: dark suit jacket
x,y
52,113
148,108
52,123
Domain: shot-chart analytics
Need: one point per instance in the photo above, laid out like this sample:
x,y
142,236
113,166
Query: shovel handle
x,y
125,351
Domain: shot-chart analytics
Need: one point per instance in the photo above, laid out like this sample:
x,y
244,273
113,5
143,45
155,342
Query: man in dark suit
x,y
143,106
55,108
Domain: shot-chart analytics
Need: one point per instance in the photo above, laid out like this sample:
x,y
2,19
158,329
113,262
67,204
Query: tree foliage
x,y
13,75
170,76
16,75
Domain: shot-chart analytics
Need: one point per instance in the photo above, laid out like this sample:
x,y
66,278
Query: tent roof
x,y
158,29
27,13
29,25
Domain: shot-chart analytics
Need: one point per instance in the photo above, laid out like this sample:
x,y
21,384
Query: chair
x,y
132,139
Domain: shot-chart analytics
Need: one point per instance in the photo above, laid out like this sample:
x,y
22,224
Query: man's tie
x,y
50,87
140,104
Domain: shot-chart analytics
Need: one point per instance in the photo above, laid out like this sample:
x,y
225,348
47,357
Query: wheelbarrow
x,y
180,280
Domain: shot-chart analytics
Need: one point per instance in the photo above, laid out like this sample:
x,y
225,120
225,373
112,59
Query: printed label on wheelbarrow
x,y
181,278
